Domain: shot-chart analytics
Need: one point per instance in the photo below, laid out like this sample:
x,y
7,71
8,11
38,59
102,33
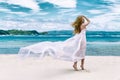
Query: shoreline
x,y
97,68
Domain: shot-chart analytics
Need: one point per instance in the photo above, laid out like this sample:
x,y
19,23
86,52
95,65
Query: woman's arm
x,y
88,21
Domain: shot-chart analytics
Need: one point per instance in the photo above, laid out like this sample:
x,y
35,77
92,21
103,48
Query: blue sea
x,y
99,43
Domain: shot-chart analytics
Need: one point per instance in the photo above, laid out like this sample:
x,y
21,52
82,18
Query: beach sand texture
x,y
97,68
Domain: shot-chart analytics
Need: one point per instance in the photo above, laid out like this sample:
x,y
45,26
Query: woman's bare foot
x,y
82,67
75,67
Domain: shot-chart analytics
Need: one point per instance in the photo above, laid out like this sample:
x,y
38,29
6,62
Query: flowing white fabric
x,y
72,49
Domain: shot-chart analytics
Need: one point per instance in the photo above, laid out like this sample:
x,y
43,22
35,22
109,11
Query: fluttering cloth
x,y
72,49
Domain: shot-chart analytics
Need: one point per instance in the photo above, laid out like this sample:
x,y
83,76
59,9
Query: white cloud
x,y
70,12
66,14
41,13
62,11
63,3
10,12
106,22
114,1
115,8
32,4
95,11
34,25
4,10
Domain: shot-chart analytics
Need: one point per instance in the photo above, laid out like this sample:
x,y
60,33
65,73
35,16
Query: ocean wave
x,y
103,35
104,43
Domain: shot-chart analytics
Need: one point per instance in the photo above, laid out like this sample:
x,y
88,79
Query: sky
x,y
47,15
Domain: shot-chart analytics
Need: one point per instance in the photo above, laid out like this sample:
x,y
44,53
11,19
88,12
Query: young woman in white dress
x,y
73,49
80,28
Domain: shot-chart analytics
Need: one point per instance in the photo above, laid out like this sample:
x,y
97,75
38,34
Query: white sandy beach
x,y
97,68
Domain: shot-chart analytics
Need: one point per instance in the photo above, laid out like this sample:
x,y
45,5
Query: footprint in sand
x,y
85,70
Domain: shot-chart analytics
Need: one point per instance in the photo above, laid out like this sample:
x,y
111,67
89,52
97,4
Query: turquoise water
x,y
98,43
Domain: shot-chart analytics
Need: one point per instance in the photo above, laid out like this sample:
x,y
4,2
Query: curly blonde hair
x,y
77,24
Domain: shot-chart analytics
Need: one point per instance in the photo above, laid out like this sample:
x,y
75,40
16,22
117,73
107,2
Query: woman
x,y
80,28
72,49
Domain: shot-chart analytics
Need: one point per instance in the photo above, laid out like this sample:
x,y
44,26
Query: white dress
x,y
72,49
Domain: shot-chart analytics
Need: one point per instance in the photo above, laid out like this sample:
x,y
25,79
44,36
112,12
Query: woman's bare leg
x,y
82,64
75,66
